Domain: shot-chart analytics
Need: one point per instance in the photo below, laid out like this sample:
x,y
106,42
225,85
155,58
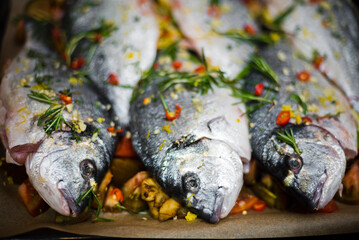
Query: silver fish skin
x,y
313,176
202,28
332,29
59,167
200,161
129,51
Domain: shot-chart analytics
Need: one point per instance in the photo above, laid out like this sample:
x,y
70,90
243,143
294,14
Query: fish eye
x,y
87,168
295,164
191,182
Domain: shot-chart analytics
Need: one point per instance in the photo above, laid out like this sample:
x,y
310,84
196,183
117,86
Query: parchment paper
x,y
14,218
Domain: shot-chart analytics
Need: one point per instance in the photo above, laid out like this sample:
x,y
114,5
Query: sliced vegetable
x,y
249,29
177,65
113,199
131,191
350,194
78,63
66,99
112,79
32,200
307,120
173,115
260,205
283,118
124,148
259,89
303,76
168,209
243,204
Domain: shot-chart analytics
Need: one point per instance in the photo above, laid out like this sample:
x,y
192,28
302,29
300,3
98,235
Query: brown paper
x,y
14,218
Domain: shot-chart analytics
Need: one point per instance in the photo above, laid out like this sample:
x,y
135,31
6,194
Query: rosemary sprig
x,y
105,29
242,36
288,137
92,195
53,118
259,64
294,97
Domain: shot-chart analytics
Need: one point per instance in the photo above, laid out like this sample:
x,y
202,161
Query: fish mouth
x,y
217,212
319,191
72,209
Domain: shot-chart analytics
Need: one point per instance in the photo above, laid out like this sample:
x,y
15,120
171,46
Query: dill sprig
x,y
53,117
92,196
259,64
288,137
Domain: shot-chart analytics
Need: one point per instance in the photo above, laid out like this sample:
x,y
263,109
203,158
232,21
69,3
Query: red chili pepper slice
x,y
214,11
156,65
318,60
177,65
307,120
112,79
303,76
259,89
66,99
98,38
118,193
113,130
259,205
249,29
200,69
283,118
243,205
78,63
173,115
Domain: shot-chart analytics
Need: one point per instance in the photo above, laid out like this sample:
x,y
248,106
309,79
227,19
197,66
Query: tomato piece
x,y
78,63
66,99
112,79
177,65
307,120
283,118
243,204
117,192
124,148
330,207
259,205
214,11
249,29
259,89
303,76
199,69
318,60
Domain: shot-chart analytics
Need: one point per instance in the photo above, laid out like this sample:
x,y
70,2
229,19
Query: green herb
x,y
215,2
105,30
288,137
262,66
247,96
246,37
34,54
329,115
294,97
278,21
53,117
171,50
43,79
92,195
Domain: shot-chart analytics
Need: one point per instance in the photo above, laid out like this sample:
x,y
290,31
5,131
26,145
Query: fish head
x,y
206,174
63,169
313,176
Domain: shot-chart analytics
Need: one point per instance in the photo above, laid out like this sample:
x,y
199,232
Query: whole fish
x,y
119,60
57,128
202,22
320,135
196,158
326,33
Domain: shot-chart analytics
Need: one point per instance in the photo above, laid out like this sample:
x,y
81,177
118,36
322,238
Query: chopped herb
x,y
294,97
34,54
242,36
262,66
53,117
105,29
92,195
215,2
278,21
288,137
